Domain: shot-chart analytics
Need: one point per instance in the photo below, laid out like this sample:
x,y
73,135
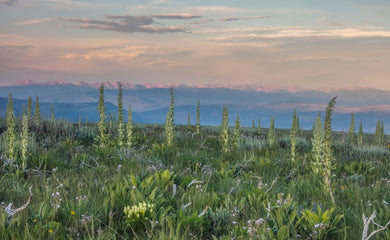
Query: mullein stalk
x,y
37,113
129,128
293,135
328,154
11,129
224,131
189,120
24,141
360,135
317,142
102,118
121,127
169,122
198,118
271,132
29,107
237,133
351,131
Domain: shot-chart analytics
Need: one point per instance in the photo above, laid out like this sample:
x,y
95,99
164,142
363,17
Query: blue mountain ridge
x,y
150,105
210,114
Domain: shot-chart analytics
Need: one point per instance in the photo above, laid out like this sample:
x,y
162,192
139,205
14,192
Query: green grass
x,y
252,192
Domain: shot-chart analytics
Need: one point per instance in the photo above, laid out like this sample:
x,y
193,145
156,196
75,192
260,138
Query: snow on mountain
x,y
128,85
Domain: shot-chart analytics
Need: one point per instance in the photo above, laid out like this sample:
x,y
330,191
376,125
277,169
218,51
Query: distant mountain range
x,y
150,103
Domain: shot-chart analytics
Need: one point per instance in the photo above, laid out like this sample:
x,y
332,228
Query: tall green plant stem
x,y
169,122
224,131
129,128
328,155
237,133
271,132
24,141
198,118
121,126
293,134
360,134
102,118
37,113
317,145
11,129
351,131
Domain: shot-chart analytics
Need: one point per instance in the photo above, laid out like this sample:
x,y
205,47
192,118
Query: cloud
x,y
132,24
117,53
134,53
256,17
203,21
160,16
201,10
34,21
229,19
244,18
150,5
7,2
268,32
217,10
176,16
69,4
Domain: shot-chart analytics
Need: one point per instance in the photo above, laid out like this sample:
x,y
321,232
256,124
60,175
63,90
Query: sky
x,y
295,43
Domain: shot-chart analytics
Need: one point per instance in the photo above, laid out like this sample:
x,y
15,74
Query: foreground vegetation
x,y
87,182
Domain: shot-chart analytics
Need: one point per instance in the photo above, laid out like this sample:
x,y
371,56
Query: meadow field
x,y
119,180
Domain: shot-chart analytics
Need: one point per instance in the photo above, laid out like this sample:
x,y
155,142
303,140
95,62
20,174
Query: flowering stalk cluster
x,y
121,126
293,135
271,132
327,153
140,212
224,131
198,118
102,118
24,141
170,122
318,145
11,129
129,128
237,133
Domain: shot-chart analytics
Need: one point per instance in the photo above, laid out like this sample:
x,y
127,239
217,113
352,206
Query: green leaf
x,y
152,195
292,217
283,233
337,219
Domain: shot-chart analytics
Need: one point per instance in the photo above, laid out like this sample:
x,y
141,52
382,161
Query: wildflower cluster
x,y
56,200
85,219
138,213
256,227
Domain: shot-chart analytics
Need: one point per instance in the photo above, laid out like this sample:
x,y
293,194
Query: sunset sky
x,y
294,43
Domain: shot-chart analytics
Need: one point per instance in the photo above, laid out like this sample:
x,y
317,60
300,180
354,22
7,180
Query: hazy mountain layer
x,y
149,103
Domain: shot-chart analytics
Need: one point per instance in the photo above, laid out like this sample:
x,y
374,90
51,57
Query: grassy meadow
x,y
191,188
